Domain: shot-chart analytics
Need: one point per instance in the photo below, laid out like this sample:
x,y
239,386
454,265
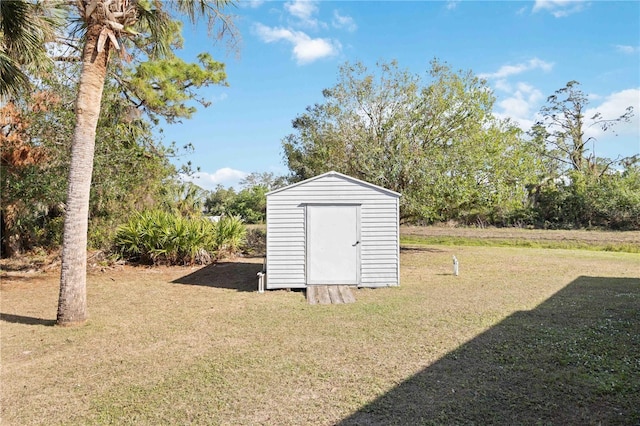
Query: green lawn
x,y
521,336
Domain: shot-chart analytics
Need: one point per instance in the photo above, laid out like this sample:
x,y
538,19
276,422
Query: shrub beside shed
x,y
332,229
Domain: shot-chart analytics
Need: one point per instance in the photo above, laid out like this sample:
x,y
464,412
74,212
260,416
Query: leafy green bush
x,y
250,203
159,237
230,234
609,201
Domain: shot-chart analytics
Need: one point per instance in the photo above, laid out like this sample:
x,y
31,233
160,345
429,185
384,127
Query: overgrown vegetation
x,y
608,201
438,142
132,169
158,237
249,203
455,164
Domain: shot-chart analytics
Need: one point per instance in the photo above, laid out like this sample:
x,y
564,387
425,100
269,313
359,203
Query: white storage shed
x,y
332,229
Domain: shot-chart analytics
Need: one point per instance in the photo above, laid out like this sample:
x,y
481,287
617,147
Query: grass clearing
x,y
616,241
521,336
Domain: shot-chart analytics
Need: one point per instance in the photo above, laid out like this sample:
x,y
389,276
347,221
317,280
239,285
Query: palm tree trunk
x,y
72,303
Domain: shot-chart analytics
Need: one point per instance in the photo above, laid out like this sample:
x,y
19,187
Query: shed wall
x,y
379,237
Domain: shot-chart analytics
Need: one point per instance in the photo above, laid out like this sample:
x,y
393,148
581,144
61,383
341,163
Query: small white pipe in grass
x,y
261,282
455,266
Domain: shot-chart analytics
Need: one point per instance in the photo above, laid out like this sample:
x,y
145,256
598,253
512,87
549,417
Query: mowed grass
x,y
521,336
617,241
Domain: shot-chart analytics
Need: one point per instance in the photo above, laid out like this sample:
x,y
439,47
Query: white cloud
x,y
226,177
559,8
303,10
627,50
345,22
520,105
308,50
593,97
305,48
509,70
529,90
613,107
269,35
521,100
503,85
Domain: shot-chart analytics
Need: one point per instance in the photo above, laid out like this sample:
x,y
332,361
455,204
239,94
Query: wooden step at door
x,y
329,294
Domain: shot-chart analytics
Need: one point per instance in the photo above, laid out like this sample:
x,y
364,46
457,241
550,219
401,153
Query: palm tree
x,y
25,27
109,25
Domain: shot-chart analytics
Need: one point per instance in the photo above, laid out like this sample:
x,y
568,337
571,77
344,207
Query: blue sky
x,y
291,50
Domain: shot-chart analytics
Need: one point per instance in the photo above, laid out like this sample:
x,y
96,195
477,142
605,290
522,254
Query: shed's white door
x,y
333,244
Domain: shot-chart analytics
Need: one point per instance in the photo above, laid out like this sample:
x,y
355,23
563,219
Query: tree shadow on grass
x,y
240,276
574,359
420,249
20,319
27,277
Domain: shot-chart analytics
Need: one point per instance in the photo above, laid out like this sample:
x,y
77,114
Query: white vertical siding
x,y
286,248
379,238
380,243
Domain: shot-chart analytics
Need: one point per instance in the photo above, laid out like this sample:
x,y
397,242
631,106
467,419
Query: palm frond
x,y
219,24
159,29
12,79
25,28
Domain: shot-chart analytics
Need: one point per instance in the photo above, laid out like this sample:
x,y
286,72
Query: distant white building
x,y
332,229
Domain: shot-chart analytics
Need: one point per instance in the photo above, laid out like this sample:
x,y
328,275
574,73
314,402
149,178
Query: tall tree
x,y
108,25
267,179
436,142
219,200
561,130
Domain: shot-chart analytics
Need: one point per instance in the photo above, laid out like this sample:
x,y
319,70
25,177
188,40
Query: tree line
x,y
438,142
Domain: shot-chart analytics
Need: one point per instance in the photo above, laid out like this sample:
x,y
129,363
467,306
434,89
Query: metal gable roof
x,y
342,176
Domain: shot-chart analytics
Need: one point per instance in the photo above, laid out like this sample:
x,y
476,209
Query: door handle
x,y
357,242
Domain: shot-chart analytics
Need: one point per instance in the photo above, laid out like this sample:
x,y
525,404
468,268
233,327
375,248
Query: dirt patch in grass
x,y
520,336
